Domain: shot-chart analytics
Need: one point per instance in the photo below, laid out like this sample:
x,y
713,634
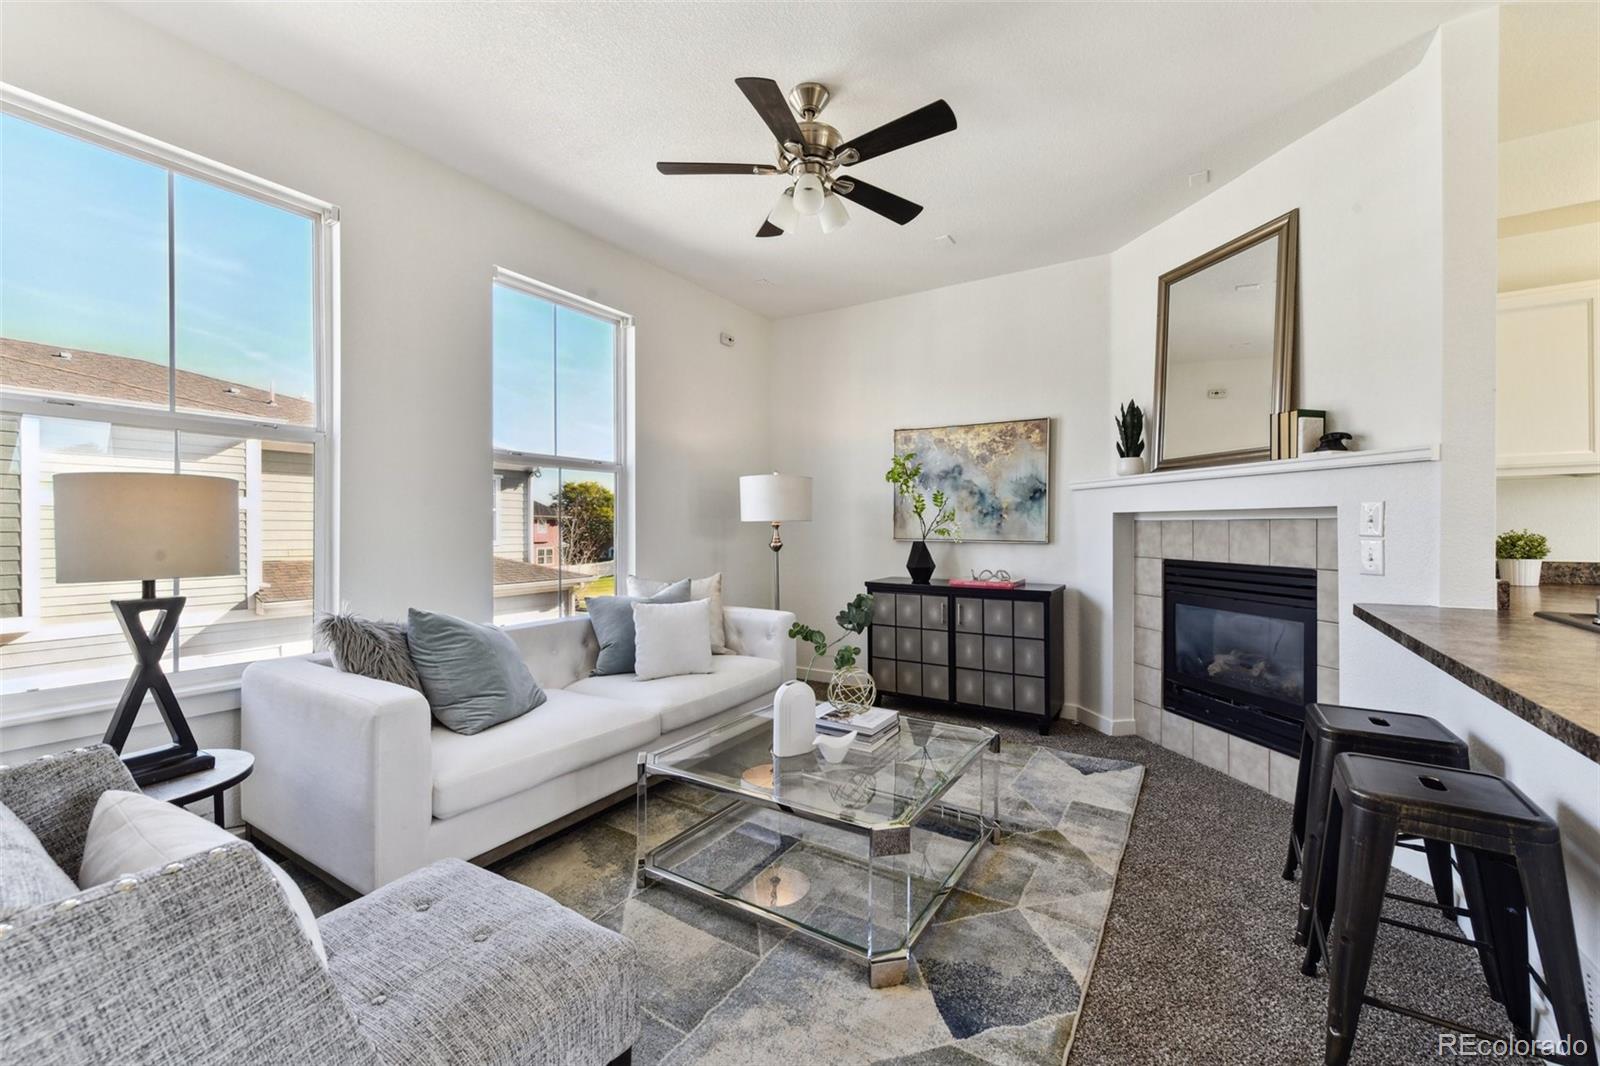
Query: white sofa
x,y
353,775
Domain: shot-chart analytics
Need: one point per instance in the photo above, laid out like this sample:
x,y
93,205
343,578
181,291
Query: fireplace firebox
x,y
1240,648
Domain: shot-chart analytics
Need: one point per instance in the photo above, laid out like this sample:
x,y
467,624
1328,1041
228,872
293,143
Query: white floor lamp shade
x,y
775,499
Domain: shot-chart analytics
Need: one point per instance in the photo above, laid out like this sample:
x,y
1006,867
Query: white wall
x,y
419,244
1023,345
1564,509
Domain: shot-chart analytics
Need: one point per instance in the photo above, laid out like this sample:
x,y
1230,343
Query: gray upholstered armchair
x,y
202,961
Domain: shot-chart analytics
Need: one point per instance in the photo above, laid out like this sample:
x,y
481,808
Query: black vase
x,y
919,564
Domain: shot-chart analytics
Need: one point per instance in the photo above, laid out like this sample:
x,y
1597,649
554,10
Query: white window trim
x,y
622,377
68,700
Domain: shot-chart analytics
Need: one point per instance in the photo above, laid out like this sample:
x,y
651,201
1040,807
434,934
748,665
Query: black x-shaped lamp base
x,y
183,755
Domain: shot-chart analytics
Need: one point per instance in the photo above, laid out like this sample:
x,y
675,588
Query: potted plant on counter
x,y
1520,556
1130,439
905,474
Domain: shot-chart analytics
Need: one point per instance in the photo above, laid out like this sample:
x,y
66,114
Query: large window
x,y
558,449
157,313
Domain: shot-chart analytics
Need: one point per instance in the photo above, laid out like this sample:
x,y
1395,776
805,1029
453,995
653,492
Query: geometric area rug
x,y
998,977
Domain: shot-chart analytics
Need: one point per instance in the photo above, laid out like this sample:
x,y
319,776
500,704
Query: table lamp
x,y
145,527
775,498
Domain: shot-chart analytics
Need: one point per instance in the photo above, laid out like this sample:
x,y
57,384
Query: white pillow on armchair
x,y
700,588
671,639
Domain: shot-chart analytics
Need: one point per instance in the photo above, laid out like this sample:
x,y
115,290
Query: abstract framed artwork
x,y
996,473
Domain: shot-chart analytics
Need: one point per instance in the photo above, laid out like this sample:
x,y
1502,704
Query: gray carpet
x,y
1196,963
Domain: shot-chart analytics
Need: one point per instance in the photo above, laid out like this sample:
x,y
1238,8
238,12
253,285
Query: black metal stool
x,y
1330,731
1504,841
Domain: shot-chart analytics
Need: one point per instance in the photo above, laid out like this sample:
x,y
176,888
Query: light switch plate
x,y
1371,520
1371,555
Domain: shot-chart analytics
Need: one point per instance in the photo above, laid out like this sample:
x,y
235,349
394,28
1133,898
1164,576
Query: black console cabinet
x,y
976,649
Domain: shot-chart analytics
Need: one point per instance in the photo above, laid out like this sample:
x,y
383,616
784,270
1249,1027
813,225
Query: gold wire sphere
x,y
852,690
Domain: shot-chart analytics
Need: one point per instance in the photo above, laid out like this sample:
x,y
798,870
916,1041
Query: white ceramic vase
x,y
1520,571
1134,464
794,719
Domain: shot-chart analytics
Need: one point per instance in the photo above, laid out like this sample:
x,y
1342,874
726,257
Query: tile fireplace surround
x,y
1301,542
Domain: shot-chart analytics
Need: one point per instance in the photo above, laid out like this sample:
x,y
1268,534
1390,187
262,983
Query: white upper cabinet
x,y
1547,381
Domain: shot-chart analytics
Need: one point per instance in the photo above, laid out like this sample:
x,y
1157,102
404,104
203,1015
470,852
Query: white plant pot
x,y
1520,571
1131,465
794,719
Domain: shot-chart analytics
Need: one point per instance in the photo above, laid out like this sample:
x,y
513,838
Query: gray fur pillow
x,y
370,648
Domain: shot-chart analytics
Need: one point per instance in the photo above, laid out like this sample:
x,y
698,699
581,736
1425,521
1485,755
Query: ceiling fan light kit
x,y
811,152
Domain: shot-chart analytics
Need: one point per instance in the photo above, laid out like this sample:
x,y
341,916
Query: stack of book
x,y
869,723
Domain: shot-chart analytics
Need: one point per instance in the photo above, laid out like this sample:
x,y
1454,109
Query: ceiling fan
x,y
811,152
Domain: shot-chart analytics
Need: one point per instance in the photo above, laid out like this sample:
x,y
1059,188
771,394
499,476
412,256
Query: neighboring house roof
x,y
517,572
39,368
285,580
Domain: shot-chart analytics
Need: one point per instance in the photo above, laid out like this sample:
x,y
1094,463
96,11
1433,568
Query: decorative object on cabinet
x,y
775,499
988,579
1225,335
996,475
140,527
1130,439
971,648
905,474
1519,556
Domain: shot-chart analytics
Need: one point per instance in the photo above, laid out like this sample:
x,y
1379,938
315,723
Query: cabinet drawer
x,y
935,646
997,617
997,691
908,644
883,674
883,642
883,608
935,612
908,610
1029,693
969,616
1029,656
969,687
936,682
997,654
969,651
908,679
1028,619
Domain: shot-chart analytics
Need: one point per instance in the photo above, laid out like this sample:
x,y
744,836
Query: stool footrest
x,y
1431,1019
1431,904
1425,931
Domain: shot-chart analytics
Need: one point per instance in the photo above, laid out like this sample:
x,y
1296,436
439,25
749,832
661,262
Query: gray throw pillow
x,y
372,649
612,618
28,875
472,674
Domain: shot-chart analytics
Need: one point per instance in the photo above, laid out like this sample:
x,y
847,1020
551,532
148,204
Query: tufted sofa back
x,y
559,651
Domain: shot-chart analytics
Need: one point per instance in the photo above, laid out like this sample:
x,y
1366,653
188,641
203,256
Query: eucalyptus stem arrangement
x,y
853,620
905,474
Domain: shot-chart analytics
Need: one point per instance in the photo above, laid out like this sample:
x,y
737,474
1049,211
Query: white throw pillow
x,y
700,588
671,639
130,832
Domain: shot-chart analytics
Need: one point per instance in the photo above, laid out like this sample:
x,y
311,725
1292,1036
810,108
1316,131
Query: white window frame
x,y
44,704
618,468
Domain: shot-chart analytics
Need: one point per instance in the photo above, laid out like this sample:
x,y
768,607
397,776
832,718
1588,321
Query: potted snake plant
x,y
1130,439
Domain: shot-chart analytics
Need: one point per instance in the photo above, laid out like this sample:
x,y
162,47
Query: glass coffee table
x,y
858,854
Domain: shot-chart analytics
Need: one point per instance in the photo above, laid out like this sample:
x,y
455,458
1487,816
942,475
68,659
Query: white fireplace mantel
x,y
1308,464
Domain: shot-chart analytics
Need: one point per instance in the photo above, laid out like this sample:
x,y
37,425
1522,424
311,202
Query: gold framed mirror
x,y
1225,346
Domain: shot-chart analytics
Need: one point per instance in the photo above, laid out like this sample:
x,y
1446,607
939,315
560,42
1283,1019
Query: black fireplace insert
x,y
1239,648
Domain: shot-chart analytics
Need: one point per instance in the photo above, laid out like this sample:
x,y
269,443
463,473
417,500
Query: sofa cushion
x,y
28,875
371,648
455,964
612,618
569,731
681,701
700,588
472,674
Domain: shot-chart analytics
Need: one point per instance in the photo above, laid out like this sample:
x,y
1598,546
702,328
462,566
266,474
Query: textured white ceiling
x,y
1549,67
1078,122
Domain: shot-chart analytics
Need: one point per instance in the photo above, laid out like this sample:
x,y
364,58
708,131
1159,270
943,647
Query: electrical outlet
x,y
1371,520
1371,555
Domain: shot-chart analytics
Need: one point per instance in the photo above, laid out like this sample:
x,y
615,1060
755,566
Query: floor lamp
x,y
775,498
145,527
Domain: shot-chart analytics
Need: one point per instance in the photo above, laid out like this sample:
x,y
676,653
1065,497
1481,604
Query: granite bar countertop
x,y
1542,671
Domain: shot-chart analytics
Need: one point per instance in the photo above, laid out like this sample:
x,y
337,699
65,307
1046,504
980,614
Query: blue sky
x,y
83,263
537,345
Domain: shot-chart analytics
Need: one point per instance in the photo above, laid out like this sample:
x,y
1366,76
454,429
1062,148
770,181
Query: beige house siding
x,y
10,518
288,506
510,538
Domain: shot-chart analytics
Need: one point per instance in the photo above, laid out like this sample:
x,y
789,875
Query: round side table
x,y
232,767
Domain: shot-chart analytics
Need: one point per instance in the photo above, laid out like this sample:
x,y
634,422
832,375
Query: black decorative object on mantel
x,y
1333,442
919,564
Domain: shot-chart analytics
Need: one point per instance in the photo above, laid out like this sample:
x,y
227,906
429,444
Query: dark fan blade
x,y
716,168
892,207
919,125
765,96
769,230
